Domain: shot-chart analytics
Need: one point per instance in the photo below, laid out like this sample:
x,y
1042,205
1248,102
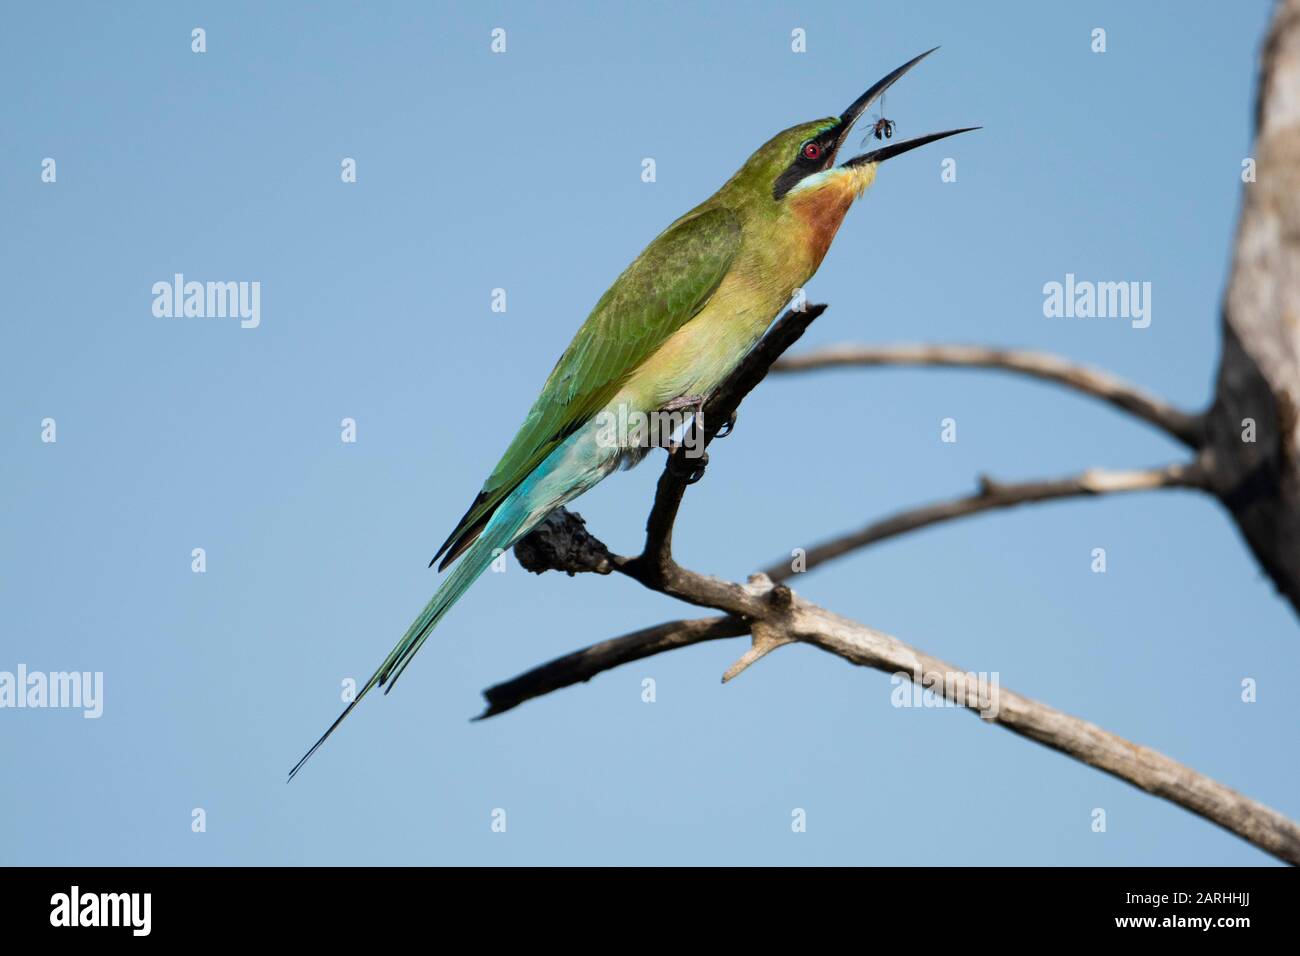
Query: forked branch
x,y
787,618
774,616
1258,481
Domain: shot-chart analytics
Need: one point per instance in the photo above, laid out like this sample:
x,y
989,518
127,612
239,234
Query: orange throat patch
x,y
821,204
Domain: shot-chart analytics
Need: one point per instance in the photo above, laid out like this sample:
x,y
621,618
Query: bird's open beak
x,y
863,103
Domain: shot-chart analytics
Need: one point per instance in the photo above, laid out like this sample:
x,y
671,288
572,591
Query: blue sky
x,y
522,171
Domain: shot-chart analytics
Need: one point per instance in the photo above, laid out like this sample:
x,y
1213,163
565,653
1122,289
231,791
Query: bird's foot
x,y
685,401
728,428
695,403
688,446
689,469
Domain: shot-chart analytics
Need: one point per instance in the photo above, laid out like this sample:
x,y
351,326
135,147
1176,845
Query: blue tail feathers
x,y
496,537
569,471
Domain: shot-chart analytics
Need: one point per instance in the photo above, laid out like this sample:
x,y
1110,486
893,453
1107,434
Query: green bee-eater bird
x,y
666,334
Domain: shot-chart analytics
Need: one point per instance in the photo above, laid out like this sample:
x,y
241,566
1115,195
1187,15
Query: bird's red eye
x,y
812,151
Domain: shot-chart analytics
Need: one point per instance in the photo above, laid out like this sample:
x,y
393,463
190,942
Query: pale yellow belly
x,y
703,352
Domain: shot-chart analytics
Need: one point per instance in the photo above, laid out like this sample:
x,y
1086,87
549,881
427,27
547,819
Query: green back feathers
x,y
663,289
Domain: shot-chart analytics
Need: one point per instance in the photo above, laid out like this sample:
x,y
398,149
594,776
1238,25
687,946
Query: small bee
x,y
882,128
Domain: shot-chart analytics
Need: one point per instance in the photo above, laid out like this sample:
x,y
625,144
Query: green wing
x,y
663,289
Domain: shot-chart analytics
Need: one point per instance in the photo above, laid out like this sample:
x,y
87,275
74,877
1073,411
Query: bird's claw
x,y
690,470
695,402
727,429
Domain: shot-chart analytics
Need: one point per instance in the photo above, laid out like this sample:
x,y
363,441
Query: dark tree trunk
x,y
1259,373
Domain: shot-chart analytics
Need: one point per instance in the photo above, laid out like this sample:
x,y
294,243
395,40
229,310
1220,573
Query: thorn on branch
x,y
771,631
765,639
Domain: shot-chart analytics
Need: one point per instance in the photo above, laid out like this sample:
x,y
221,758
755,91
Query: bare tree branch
x,y
1132,763
655,567
585,664
1182,425
1261,486
718,412
774,616
787,618
1249,438
994,495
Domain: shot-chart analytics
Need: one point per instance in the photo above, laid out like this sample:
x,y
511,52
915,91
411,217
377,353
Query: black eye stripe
x,y
804,165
